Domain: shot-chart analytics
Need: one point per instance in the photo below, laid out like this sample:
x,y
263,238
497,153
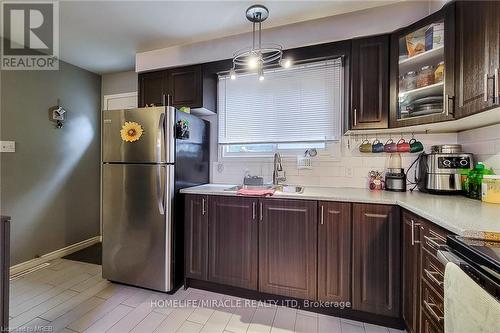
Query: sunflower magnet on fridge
x,y
131,131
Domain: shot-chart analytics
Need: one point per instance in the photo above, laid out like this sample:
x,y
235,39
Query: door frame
x,y
107,98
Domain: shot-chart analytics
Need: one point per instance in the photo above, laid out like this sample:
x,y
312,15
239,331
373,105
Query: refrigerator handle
x,y
160,191
160,140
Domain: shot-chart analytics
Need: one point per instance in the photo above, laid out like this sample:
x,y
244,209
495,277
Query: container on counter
x,y
490,189
425,77
474,180
439,72
410,81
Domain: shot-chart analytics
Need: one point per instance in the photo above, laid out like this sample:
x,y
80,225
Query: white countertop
x,y
458,214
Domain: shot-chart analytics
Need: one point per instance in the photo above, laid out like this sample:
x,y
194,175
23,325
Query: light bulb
x,y
253,61
286,63
232,74
261,74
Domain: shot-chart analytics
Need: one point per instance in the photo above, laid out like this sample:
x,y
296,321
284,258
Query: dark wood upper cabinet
x,y
376,259
152,89
477,54
196,236
411,271
190,86
370,83
334,251
288,248
233,240
185,86
428,42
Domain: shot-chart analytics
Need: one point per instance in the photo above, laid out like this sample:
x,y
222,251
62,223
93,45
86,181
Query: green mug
x,y
415,146
365,147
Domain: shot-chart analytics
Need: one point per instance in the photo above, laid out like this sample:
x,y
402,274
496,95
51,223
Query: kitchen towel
x,y
468,307
256,193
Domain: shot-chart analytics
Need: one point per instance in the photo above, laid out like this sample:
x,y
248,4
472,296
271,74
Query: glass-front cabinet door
x,y
422,71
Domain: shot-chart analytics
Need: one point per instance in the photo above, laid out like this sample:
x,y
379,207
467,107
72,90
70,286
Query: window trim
x,y
331,153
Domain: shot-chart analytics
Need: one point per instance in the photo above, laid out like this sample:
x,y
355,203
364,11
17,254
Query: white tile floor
x,y
70,296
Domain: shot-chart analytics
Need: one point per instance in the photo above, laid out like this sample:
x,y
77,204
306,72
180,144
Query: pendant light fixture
x,y
255,57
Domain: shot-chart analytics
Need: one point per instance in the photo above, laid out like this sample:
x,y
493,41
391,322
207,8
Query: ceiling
x,y
104,36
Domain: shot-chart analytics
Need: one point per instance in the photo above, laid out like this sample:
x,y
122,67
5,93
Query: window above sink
x,y
290,111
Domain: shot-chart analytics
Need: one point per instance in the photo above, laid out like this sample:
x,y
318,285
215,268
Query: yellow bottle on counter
x,y
490,189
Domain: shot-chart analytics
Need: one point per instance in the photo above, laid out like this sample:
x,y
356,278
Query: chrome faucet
x,y
277,169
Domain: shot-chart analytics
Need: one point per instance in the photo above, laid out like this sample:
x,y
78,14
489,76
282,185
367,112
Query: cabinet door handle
x,y
261,212
163,100
413,241
487,77
496,83
486,87
429,307
322,215
447,99
254,213
203,208
355,117
168,100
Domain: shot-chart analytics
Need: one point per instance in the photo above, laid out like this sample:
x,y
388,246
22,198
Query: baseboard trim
x,y
54,255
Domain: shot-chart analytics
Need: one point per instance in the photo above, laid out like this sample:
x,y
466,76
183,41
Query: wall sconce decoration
x,y
57,114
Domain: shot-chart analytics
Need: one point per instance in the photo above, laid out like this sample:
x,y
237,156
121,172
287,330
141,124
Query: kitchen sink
x,y
290,189
279,188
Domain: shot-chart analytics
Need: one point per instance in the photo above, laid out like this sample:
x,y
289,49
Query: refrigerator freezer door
x,y
137,224
155,144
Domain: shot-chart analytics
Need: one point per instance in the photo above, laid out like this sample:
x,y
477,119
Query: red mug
x,y
403,146
390,146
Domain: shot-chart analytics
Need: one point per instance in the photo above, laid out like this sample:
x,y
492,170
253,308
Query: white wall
x,y
349,168
118,83
337,166
340,27
485,143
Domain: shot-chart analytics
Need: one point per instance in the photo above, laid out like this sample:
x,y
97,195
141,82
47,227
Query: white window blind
x,y
299,104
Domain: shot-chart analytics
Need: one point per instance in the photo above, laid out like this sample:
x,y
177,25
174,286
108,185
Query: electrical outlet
x,y
348,172
7,146
304,162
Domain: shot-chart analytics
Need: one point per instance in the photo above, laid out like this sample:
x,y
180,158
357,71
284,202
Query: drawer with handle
x,y
433,239
432,271
433,303
428,325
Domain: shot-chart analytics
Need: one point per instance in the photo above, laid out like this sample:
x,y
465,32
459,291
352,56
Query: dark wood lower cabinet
x,y
233,241
334,251
376,259
288,248
196,236
4,278
328,251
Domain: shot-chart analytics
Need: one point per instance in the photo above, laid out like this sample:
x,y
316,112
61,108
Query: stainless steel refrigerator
x,y
149,154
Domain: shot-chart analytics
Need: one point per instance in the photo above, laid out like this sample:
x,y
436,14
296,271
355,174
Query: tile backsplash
x,y
337,166
484,143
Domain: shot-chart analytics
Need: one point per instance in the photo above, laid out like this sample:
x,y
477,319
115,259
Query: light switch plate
x,y
7,146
